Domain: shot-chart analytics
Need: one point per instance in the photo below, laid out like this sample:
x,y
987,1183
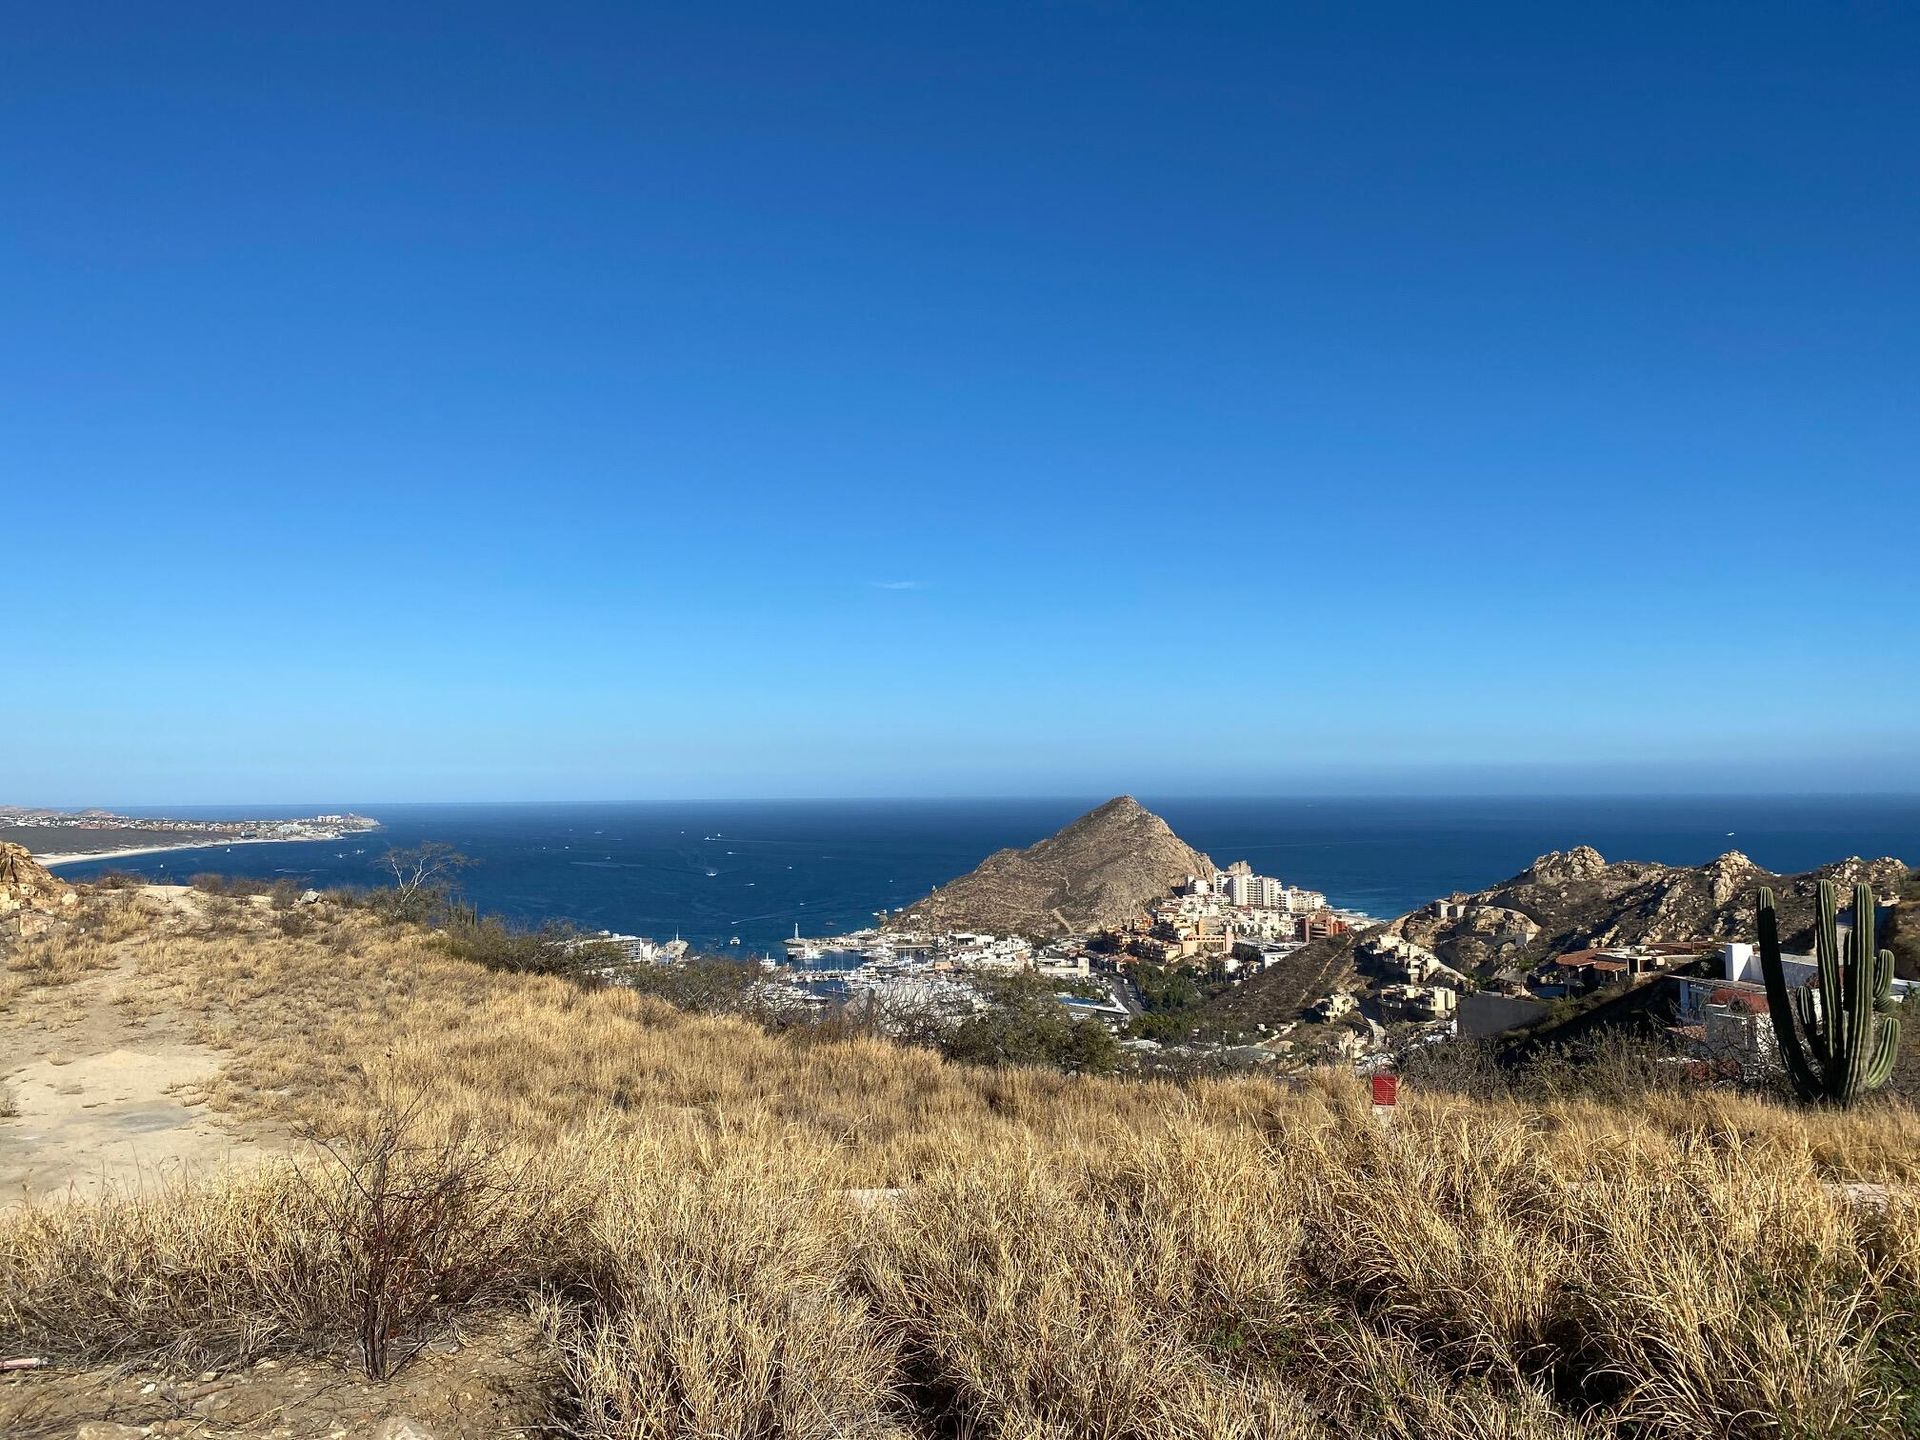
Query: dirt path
x,y
103,1097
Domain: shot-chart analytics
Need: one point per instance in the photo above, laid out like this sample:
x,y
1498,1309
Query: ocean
x,y
713,871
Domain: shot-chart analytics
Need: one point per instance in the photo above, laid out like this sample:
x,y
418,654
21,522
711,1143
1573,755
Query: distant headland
x,y
65,837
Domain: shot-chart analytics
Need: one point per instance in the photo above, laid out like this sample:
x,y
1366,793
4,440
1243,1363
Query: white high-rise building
x,y
1255,892
1302,902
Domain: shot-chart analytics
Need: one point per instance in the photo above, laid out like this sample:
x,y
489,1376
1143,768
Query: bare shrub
x,y
373,1244
294,924
239,887
223,915
422,1221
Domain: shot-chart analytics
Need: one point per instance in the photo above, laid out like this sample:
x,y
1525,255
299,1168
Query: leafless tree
x,y
422,870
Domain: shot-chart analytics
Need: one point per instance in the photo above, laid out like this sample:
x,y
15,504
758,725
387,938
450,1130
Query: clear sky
x,y
623,401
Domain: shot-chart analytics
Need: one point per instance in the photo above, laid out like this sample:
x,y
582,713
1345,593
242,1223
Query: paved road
x,y
1122,992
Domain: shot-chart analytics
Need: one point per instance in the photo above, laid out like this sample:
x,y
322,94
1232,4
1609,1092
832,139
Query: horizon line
x,y
1076,797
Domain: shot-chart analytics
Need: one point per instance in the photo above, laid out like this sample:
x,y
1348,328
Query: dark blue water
x,y
713,870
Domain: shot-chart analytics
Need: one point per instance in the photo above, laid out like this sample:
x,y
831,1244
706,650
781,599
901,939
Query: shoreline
x,y
127,852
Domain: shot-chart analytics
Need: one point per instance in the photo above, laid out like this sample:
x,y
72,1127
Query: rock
x,y
1583,862
1574,900
1730,876
108,1430
399,1427
28,886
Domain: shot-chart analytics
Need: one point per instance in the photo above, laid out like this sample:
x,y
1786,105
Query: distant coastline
x,y
709,871
57,837
77,858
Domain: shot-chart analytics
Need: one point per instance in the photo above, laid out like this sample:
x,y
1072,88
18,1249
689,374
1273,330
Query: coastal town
x,y
1217,929
60,837
1231,968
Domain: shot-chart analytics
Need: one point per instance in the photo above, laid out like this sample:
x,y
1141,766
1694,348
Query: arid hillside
x,y
1574,899
464,1203
1570,900
1101,870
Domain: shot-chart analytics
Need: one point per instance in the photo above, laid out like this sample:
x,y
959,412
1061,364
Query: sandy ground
x,y
477,1386
74,858
104,1097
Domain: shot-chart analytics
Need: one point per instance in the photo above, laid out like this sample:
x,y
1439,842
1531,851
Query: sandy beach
x,y
50,861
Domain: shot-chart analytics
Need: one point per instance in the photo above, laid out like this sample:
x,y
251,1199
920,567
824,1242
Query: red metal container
x,y
1386,1089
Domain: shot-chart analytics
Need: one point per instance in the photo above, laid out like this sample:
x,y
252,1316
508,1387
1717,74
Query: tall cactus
x,y
1846,1016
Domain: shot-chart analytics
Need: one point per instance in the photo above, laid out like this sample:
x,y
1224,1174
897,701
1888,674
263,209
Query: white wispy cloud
x,y
897,584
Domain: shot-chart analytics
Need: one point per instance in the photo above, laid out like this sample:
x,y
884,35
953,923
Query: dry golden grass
x,y
58,959
76,947
1069,1257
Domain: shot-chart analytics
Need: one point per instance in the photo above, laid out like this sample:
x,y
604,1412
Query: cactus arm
x,y
1854,1039
1780,1004
1807,1006
1832,1034
1883,983
1813,1025
1885,1050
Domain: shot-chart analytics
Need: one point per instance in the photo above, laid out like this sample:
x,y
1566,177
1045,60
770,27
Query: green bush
x,y
1023,1024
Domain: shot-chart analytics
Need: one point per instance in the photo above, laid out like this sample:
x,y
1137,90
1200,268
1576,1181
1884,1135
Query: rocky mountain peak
x,y
1730,876
1100,870
1583,862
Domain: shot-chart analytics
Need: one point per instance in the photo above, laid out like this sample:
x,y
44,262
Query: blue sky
x,y
629,401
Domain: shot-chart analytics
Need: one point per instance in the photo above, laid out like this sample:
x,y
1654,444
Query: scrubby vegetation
x,y
1173,999
731,1231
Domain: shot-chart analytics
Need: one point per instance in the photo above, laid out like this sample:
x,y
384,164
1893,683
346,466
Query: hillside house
x,y
1332,1007
1416,1002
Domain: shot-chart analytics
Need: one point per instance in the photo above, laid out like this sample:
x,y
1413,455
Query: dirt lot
x,y
104,1091
475,1387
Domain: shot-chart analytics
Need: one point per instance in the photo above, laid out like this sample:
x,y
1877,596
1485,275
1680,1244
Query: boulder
x,y
27,885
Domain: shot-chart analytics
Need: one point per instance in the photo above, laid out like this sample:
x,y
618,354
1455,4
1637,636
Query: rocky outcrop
x,y
1571,900
29,892
1576,899
1102,870
1562,867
